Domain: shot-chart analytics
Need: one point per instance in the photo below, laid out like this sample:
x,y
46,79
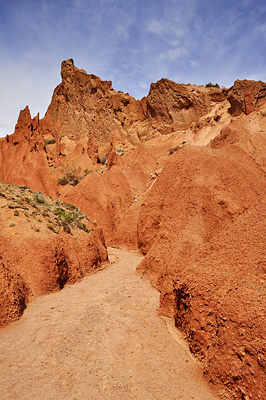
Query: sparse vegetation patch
x,y
36,205
50,141
176,148
73,177
210,84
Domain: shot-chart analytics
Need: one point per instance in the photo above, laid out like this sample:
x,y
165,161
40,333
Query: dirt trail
x,y
98,339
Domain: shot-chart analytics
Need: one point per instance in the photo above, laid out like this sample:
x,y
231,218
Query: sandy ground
x,y
98,339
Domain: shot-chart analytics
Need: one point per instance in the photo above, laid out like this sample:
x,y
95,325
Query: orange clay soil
x,y
100,338
43,245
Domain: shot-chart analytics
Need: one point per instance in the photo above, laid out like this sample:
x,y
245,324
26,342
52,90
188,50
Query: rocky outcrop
x,y
246,96
172,106
83,105
23,157
88,120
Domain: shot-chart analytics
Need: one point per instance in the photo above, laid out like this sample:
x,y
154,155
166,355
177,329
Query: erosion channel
x,y
100,338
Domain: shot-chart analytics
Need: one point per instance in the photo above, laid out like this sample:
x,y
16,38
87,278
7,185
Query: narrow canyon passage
x,y
100,338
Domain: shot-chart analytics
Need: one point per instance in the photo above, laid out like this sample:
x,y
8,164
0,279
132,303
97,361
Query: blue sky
x,y
130,42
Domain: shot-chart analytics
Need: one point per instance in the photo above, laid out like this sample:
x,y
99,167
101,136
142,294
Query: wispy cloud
x,y
168,31
173,54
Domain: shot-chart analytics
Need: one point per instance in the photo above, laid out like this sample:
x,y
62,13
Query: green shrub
x,y
212,85
63,181
64,214
120,151
40,198
50,141
174,149
72,177
26,199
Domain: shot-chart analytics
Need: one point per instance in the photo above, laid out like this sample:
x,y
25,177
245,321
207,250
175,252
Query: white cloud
x,y
143,85
166,29
173,54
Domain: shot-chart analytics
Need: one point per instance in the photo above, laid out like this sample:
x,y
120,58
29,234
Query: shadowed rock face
x,y
196,212
246,96
174,106
13,292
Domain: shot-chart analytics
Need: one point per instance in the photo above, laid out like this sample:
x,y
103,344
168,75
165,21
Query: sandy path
x,y
98,339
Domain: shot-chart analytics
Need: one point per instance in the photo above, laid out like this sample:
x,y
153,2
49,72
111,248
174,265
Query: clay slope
x,y
220,298
200,194
247,132
44,245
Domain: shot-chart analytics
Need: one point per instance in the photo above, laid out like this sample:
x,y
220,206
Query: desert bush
x,y
178,147
83,227
210,84
174,149
26,199
50,141
68,216
40,198
63,181
73,177
121,150
69,178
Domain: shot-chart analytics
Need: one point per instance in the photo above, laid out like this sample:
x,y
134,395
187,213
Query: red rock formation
x,y
23,157
246,96
173,106
197,194
86,116
83,105
13,291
